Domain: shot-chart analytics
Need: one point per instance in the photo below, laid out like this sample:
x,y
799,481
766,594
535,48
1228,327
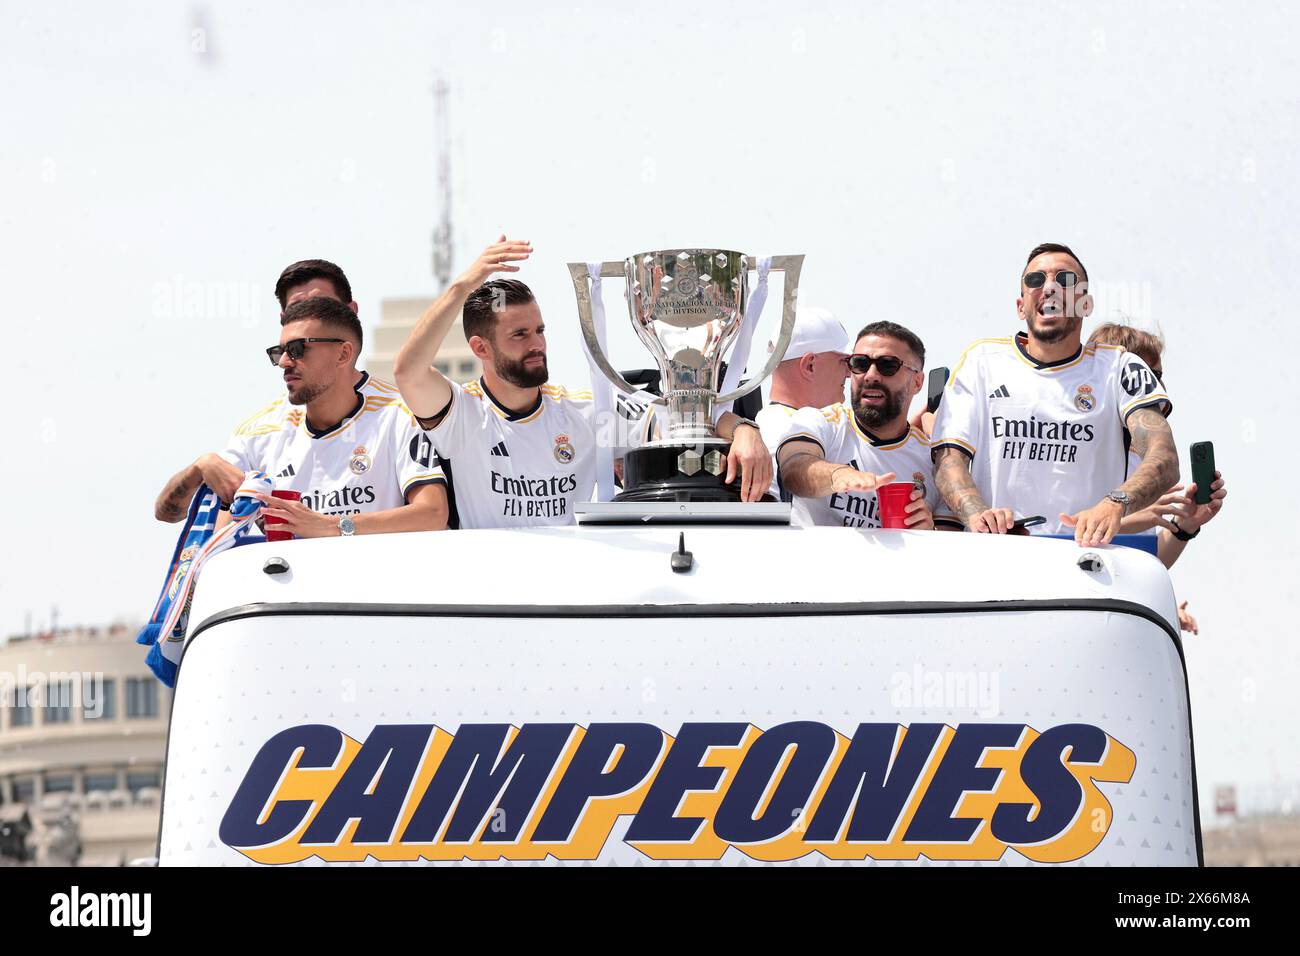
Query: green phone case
x,y
1203,470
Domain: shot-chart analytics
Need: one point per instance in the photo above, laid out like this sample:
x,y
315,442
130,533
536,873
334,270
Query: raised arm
x,y
425,390
957,487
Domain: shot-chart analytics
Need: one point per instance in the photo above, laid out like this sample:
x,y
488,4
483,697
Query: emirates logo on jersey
x,y
1083,399
564,450
360,462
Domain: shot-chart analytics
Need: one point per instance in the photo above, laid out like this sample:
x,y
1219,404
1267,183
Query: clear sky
x,y
161,163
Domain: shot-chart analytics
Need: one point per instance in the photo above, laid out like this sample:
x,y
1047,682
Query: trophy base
x,y
679,473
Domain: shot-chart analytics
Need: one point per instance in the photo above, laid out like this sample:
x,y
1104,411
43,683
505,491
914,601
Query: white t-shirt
x,y
1044,438
843,441
367,462
512,470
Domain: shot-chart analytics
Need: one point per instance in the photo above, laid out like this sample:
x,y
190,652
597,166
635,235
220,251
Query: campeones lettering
x,y
494,791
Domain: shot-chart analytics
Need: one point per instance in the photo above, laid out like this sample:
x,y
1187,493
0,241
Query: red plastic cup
x,y
893,499
267,520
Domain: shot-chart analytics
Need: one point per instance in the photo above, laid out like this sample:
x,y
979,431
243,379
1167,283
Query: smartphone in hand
x,y
1203,470
1027,522
934,388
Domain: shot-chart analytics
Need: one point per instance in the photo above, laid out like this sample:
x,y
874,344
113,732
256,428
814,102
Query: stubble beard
x,y
307,394
1050,336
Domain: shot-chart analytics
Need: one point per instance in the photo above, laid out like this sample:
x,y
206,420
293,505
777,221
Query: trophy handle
x,y
790,265
578,272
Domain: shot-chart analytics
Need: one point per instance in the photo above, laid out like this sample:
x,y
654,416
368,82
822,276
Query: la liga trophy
x,y
688,306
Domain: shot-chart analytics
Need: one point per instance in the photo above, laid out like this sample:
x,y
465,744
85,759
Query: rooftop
x,y
117,631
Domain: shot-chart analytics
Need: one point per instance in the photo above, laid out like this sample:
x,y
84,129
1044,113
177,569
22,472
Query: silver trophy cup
x,y
688,307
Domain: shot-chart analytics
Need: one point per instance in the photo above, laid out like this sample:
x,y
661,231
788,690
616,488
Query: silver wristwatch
x,y
347,527
744,421
1121,498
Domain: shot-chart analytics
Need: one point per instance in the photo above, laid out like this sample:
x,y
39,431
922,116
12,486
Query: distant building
x,y
1265,840
1255,827
83,731
397,318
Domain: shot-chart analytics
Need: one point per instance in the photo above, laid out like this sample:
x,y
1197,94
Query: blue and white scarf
x,y
198,541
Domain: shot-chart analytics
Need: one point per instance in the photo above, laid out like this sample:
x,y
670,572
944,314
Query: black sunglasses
x,y
1036,280
888,365
296,348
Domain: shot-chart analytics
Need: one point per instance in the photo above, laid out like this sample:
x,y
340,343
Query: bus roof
x,y
606,567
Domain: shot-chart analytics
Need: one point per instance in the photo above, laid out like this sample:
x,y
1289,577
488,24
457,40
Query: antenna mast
x,y
442,233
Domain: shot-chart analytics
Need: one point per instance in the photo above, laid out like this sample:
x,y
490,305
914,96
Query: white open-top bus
x,y
681,691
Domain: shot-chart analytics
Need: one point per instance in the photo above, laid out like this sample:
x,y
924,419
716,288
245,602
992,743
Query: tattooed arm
x,y
953,478
174,500
1154,442
211,469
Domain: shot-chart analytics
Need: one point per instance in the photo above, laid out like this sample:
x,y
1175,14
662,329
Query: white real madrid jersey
x,y
367,462
1044,438
513,470
774,422
843,441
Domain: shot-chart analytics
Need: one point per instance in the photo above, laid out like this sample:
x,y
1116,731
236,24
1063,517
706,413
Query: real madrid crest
x,y
1083,399
360,462
183,561
918,481
563,449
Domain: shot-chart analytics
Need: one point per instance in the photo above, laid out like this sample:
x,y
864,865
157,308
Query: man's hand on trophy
x,y
847,478
751,458
497,258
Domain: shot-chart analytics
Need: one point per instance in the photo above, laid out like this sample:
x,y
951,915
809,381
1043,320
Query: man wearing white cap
x,y
811,375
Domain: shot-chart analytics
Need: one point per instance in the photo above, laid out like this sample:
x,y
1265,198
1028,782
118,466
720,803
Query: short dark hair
x,y
328,311
483,304
896,331
1042,247
305,271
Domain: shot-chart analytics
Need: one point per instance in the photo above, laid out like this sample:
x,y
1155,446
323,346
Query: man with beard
x,y
305,279
519,452
832,458
1038,424
343,440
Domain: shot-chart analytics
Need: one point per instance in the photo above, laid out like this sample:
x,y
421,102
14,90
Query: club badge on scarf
x,y
198,541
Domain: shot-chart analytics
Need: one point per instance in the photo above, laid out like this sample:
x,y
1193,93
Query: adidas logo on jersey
x,y
499,449
287,473
1000,392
